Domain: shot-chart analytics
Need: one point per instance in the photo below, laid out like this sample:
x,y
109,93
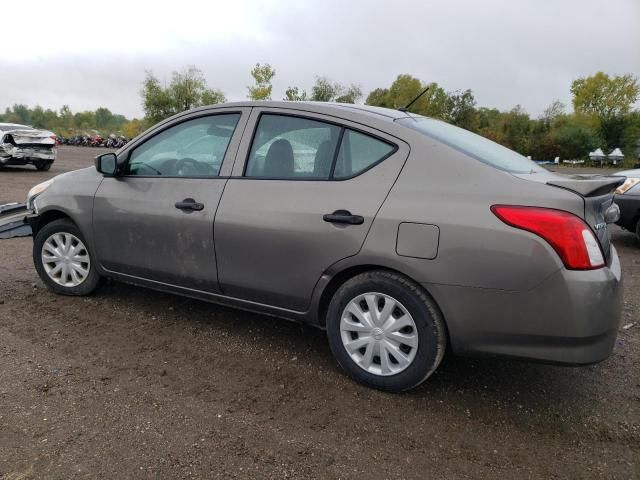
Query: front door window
x,y
194,148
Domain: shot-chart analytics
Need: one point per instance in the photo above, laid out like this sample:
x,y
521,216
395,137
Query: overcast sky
x,y
89,54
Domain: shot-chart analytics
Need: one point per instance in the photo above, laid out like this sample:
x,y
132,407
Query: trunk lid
x,y
596,192
28,137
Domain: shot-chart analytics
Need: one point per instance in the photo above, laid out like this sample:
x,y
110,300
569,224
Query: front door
x,y
304,198
155,219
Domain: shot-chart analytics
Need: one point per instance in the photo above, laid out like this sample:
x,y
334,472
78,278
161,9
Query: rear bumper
x,y
17,155
571,318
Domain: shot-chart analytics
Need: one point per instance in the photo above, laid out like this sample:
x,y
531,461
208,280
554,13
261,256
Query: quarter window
x,y
194,148
358,152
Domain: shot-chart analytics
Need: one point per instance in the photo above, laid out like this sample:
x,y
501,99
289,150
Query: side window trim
x,y
331,178
180,121
336,153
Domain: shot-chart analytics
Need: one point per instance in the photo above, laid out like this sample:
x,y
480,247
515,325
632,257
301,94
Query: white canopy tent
x,y
616,156
597,156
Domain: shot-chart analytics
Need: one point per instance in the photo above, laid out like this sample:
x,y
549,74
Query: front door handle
x,y
343,216
189,204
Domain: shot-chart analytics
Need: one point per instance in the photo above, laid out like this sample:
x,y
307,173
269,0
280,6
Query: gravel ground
x,y
131,383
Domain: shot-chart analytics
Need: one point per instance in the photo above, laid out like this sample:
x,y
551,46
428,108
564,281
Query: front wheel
x,y
63,260
385,331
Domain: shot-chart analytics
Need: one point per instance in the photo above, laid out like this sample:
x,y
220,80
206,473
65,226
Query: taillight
x,y
567,233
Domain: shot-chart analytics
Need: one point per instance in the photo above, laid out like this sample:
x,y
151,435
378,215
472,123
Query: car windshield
x,y
473,145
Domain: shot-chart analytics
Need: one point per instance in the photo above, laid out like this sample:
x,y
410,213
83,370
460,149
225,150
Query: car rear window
x,y
473,145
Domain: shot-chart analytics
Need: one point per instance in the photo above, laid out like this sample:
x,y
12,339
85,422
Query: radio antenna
x,y
404,109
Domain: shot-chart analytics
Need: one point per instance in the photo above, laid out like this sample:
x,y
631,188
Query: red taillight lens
x,y
568,234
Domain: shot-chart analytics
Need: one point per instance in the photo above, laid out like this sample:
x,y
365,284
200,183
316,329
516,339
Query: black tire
x,y
93,278
43,166
432,333
638,230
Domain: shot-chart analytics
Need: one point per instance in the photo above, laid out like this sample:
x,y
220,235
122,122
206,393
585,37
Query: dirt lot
x,y
131,383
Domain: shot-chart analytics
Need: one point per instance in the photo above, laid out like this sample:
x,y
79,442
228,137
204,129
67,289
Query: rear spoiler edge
x,y
589,185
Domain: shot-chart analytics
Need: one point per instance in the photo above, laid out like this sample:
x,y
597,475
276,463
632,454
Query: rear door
x,y
155,220
304,192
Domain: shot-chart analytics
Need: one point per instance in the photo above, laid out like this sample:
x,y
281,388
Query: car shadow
x,y
17,168
461,381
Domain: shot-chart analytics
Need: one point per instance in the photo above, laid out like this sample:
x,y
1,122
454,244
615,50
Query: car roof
x,y
331,108
13,125
635,173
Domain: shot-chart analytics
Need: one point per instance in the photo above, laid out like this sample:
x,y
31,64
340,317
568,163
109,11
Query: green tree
x,y
66,123
133,128
66,119
604,96
631,137
351,94
490,122
461,109
517,130
294,94
85,122
156,100
378,98
188,89
21,114
212,96
404,89
104,117
609,99
262,75
36,117
575,136
324,91
553,111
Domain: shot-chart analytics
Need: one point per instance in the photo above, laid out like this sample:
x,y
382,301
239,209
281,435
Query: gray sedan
x,y
400,235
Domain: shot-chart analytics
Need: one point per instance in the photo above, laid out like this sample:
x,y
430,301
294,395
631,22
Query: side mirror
x,y
107,164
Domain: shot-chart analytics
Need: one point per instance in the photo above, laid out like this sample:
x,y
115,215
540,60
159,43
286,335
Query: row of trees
x,y
602,116
603,113
603,109
66,123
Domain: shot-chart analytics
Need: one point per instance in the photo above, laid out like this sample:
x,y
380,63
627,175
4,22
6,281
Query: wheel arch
x,y
347,273
47,217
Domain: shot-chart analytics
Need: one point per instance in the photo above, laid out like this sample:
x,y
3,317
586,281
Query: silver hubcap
x,y
65,259
379,334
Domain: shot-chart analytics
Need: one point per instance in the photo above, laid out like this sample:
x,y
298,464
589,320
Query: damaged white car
x,y
24,145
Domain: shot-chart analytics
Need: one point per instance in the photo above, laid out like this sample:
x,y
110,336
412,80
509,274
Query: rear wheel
x,y
385,331
63,260
43,166
638,230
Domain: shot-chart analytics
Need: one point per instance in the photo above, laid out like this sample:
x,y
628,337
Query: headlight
x,y
35,191
628,184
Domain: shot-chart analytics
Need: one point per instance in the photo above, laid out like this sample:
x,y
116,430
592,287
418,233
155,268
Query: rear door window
x,y
288,147
292,148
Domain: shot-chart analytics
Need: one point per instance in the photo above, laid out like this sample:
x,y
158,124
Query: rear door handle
x,y
343,216
189,204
